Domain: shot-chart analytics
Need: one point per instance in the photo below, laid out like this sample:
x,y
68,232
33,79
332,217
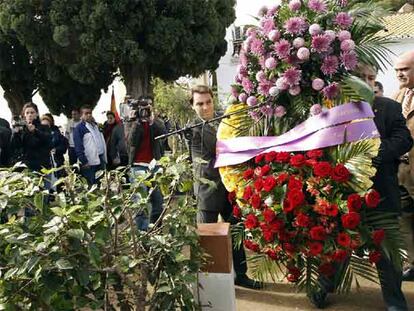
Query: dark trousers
x,y
72,155
90,172
239,256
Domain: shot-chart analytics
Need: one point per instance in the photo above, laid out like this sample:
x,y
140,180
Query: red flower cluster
x,y
294,205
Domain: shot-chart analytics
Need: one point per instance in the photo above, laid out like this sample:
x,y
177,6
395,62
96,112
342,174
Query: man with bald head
x,y
404,68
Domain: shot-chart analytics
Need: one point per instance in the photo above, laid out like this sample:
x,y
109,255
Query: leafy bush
x,y
81,248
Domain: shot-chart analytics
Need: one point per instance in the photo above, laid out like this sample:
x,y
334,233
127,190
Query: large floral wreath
x,y
307,210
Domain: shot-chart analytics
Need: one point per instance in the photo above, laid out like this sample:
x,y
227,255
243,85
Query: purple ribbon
x,y
327,129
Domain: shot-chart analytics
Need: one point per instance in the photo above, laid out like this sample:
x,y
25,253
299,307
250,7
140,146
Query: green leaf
x,y
76,233
10,273
94,254
63,264
58,211
354,89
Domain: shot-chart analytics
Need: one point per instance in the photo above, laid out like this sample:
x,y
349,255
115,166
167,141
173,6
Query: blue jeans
x,y
90,172
156,200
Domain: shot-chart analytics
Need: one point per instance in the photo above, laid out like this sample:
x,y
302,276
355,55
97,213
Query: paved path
x,y
282,297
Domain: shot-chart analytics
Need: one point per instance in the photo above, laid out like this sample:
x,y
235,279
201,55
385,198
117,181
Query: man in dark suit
x,y
212,200
395,141
5,136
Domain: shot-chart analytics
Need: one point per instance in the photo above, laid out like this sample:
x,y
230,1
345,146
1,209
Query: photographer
x,y
32,141
143,149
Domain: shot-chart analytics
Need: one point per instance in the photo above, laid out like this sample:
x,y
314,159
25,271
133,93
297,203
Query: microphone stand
x,y
224,116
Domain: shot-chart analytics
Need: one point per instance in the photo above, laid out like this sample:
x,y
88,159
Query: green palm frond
x,y
357,157
237,234
264,269
354,89
394,244
356,268
309,279
373,51
370,14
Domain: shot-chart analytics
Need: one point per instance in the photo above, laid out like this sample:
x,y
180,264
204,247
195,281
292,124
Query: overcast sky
x,y
245,9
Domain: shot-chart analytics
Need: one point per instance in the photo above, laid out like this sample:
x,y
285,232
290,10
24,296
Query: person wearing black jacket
x,y
60,143
144,149
33,140
212,201
5,136
395,141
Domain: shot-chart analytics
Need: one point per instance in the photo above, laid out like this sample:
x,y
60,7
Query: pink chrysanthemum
x,y
242,70
317,6
243,97
343,20
331,90
243,58
257,47
315,109
264,87
247,85
267,25
321,43
282,48
272,10
330,65
254,115
267,110
295,5
349,60
292,76
295,25
280,111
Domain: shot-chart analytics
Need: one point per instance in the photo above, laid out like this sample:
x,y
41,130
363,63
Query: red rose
x,y
354,202
265,170
295,183
253,246
283,236
255,201
296,197
236,211
248,174
350,220
289,248
356,242
297,160
248,192
269,215
331,210
268,236
273,254
326,269
287,207
251,221
270,156
378,236
281,178
315,248
322,169
374,257
318,233
258,184
340,173
314,154
283,157
276,225
340,255
269,183
372,198
302,220
259,158
344,239
292,278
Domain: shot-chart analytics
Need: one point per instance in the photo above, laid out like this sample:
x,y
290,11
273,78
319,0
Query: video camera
x,y
141,108
18,122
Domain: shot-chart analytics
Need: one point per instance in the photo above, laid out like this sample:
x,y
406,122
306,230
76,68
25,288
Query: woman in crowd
x,y
59,142
32,139
115,142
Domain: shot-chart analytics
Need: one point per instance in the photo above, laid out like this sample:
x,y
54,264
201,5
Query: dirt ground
x,y
282,297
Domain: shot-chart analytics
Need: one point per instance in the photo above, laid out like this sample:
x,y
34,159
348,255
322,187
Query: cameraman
x,y
143,149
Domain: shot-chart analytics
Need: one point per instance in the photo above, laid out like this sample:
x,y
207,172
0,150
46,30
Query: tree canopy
x,y
87,41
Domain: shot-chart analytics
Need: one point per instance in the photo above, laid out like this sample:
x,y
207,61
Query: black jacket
x,y
395,141
34,147
136,136
60,143
203,146
5,137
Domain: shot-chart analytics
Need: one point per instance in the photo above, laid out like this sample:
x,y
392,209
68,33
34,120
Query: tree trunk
x,y
15,101
137,80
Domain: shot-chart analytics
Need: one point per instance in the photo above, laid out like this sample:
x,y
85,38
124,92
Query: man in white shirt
x,y
70,127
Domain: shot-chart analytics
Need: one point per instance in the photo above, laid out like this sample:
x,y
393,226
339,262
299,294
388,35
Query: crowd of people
x,y
37,142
